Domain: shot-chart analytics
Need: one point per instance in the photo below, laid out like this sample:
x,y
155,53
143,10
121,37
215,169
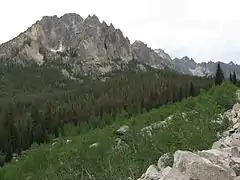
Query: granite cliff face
x,y
189,66
145,54
87,45
159,59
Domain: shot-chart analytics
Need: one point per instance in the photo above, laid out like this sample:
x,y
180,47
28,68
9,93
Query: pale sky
x,y
202,29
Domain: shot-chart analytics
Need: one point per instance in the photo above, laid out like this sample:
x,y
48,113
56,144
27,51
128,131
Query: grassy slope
x,y
76,160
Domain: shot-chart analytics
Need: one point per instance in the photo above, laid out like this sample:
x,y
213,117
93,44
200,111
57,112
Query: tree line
x,y
219,76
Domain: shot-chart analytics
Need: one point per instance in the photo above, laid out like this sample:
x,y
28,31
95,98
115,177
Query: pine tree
x,y
219,75
191,89
234,78
230,77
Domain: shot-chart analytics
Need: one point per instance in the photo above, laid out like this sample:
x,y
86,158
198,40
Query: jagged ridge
x,y
88,46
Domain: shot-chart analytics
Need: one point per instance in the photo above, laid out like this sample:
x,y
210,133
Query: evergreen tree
x,y
45,109
191,89
234,78
230,77
219,77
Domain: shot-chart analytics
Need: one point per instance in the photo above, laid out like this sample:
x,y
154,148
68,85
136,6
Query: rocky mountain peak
x,y
92,20
104,24
70,17
147,55
187,65
49,18
186,58
231,63
163,54
88,46
139,43
111,26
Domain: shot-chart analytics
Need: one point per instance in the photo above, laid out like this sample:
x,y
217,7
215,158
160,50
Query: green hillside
x,y
37,102
191,127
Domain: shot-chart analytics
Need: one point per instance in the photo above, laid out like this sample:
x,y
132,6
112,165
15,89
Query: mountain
x,y
86,45
80,47
154,58
189,66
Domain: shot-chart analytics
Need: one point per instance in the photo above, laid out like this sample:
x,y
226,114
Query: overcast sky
x,y
202,29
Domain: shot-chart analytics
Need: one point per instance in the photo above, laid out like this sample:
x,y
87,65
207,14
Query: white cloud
x,y
202,29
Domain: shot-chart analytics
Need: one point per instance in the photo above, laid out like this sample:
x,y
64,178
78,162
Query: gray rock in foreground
x,y
222,162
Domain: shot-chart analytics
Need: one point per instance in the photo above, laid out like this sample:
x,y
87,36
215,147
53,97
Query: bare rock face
x,y
152,173
94,145
147,55
175,174
162,161
197,167
86,44
187,65
89,47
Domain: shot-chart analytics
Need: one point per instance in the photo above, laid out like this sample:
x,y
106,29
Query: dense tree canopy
x,y
36,102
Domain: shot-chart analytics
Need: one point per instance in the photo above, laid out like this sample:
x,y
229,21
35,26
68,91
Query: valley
x,y
78,100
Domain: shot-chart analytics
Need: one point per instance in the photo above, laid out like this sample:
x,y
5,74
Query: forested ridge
x,y
192,124
36,102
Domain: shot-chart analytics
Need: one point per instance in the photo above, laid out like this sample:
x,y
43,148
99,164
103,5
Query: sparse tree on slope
x,y
191,89
219,75
230,77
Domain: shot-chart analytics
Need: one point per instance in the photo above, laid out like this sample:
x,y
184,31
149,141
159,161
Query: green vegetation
x,y
233,77
195,130
219,77
36,102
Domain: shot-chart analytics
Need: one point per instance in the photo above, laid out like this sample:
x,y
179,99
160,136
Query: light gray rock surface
x,y
123,130
145,54
88,44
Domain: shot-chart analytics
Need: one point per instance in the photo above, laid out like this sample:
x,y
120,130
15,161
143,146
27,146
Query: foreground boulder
x,y
175,174
222,162
94,145
197,167
123,130
152,173
163,160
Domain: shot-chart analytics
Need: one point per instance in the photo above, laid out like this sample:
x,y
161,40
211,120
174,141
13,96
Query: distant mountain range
x,y
189,66
81,47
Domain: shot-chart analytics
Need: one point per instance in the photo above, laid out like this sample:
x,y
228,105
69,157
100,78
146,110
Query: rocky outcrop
x,y
157,125
162,124
94,145
122,130
88,45
189,66
145,54
222,162
163,54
